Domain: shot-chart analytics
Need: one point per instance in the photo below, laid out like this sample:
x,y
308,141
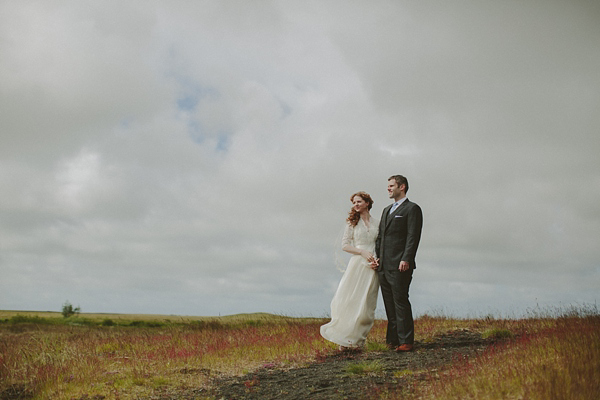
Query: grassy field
x,y
43,355
548,358
123,319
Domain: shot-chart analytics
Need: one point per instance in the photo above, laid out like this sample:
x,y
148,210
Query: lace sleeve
x,y
348,237
340,256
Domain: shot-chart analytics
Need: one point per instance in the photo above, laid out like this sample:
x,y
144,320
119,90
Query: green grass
x,y
366,367
376,347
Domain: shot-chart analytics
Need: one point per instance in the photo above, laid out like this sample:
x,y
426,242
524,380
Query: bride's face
x,y
359,204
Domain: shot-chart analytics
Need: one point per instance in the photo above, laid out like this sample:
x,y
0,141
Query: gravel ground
x,y
330,378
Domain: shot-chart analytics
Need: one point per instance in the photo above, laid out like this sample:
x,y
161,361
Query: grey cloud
x,y
197,158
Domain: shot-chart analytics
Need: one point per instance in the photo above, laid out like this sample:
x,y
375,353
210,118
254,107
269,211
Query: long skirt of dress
x,y
353,306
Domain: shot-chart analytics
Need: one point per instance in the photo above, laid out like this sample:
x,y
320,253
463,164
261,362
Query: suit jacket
x,y
399,235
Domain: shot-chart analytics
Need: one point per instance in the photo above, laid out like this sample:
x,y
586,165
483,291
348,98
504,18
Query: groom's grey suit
x,y
398,240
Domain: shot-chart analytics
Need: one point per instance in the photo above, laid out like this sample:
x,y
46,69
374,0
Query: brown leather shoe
x,y
404,348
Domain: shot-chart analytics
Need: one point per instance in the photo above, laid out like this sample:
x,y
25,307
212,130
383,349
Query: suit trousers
x,y
394,290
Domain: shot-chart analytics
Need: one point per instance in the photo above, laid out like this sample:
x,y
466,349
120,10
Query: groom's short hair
x,y
400,179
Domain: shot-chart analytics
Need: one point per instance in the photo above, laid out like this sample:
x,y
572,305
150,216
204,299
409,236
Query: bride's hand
x,y
367,255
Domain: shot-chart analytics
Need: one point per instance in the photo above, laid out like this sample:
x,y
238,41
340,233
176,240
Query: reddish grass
x,y
548,359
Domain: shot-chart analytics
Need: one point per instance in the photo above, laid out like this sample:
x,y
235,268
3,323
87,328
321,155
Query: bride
x,y
354,302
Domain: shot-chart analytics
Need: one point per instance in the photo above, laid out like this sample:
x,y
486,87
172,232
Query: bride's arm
x,y
347,242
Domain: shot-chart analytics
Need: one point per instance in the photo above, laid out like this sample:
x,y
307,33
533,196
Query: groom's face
x,y
394,191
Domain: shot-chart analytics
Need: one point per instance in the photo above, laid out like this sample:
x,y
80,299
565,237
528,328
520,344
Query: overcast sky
x,y
197,157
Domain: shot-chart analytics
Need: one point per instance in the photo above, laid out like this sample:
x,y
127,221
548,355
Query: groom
x,y
396,248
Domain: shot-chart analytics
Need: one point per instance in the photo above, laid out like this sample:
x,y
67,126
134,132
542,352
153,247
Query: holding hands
x,y
373,261
374,264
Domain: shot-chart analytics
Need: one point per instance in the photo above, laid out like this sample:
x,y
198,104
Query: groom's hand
x,y
404,266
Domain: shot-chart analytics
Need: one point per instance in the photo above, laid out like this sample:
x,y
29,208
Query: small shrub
x,y
68,310
108,322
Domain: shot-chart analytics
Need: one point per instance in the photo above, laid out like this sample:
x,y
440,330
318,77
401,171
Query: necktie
x,y
394,206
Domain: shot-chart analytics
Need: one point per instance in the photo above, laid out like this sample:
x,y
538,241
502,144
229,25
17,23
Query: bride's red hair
x,y
353,216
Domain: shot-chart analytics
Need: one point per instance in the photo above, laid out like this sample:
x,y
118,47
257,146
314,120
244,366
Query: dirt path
x,y
330,378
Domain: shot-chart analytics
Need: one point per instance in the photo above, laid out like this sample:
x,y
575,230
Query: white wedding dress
x,y
354,302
